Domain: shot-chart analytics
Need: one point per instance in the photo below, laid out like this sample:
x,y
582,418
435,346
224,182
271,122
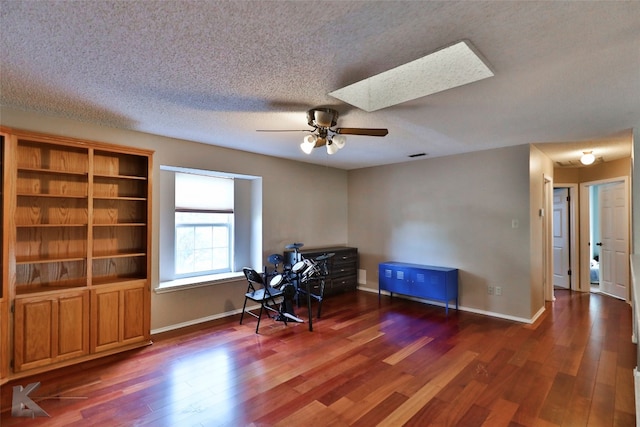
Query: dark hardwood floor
x,y
393,364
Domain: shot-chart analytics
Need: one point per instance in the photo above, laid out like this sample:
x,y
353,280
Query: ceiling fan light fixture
x,y
307,148
323,121
587,158
308,143
339,141
332,148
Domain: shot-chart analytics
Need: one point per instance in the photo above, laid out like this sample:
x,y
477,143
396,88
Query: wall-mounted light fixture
x,y
587,158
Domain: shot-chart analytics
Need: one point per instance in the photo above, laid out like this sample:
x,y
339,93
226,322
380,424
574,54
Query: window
x,y
203,224
210,226
203,243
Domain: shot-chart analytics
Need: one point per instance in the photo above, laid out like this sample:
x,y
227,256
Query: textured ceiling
x,y
216,71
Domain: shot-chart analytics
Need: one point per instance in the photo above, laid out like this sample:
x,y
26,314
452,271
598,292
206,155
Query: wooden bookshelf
x,y
78,236
5,356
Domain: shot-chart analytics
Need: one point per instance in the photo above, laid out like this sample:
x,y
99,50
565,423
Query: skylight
x,y
444,69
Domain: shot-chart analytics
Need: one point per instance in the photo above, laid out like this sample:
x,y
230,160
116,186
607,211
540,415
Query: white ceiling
x,y
216,71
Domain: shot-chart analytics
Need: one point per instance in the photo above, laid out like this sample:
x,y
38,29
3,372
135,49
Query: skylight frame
x,y
450,67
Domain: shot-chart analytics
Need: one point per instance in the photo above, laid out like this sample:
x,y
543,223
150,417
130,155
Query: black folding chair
x,y
263,294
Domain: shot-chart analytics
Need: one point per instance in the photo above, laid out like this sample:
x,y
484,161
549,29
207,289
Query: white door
x,y
561,235
614,240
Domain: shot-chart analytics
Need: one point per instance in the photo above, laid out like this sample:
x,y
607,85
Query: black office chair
x,y
258,292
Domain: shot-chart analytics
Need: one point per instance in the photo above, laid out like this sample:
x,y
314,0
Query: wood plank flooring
x,y
365,364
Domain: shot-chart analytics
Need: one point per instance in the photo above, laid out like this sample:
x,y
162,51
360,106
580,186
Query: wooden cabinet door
x,y
119,315
50,329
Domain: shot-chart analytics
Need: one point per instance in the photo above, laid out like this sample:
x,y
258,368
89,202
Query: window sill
x,y
197,282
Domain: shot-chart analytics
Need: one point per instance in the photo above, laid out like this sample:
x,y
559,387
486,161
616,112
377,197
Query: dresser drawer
x,y
349,258
344,284
343,266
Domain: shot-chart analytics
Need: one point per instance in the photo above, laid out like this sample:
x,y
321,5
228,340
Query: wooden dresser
x,y
343,266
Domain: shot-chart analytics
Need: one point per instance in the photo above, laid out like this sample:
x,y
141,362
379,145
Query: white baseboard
x,y
462,308
504,316
360,288
200,320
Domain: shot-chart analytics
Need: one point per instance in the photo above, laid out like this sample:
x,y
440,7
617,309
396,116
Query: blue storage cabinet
x,y
420,281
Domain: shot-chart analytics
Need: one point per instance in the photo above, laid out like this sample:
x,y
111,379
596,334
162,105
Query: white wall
x,y
635,259
635,191
454,211
301,203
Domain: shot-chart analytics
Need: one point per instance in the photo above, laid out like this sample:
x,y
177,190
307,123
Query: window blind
x,y
200,193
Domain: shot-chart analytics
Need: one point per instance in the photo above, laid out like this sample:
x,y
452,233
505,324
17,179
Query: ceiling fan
x,y
323,121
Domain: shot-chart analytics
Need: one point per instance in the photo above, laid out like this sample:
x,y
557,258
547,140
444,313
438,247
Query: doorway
x,y
561,239
565,232
604,237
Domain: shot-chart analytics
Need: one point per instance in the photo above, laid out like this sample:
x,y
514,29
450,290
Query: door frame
x,y
585,227
547,237
574,282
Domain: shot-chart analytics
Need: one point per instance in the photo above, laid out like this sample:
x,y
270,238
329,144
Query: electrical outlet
x,y
490,290
498,290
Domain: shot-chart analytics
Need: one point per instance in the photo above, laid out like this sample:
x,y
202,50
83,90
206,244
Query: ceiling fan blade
x,y
362,131
284,130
